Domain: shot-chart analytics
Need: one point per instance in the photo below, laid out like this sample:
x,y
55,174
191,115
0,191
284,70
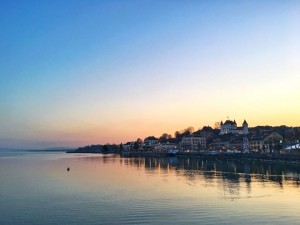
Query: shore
x,y
251,156
207,155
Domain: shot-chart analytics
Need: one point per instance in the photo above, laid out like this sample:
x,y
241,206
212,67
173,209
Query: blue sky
x,y
83,72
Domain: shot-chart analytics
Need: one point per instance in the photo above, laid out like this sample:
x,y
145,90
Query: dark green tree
x,y
105,149
137,144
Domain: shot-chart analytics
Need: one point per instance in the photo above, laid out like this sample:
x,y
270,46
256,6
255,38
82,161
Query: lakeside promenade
x,y
221,156
208,155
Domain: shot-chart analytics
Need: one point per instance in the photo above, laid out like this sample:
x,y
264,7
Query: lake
x,y
36,188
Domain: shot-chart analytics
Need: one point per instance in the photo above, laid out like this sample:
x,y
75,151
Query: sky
x,y
74,73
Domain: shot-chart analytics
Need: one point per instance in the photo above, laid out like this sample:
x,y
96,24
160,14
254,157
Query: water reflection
x,y
150,190
231,172
227,174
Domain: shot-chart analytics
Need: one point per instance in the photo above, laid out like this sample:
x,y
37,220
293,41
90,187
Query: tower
x,y
245,127
245,138
245,144
234,124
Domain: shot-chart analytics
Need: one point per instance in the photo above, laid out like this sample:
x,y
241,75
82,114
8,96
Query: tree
x,y
277,147
189,130
177,134
105,149
137,144
165,137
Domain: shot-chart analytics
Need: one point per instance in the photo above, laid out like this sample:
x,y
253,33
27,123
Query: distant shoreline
x,y
49,150
33,150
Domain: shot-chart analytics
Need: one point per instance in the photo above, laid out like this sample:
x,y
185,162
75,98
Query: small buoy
x,y
68,169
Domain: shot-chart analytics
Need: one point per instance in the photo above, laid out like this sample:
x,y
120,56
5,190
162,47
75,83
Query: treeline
x,y
107,148
165,138
178,135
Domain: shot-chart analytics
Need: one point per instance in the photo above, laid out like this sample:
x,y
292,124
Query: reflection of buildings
x,y
232,173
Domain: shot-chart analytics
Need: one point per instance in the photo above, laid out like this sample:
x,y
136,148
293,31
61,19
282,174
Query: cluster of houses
x,y
228,137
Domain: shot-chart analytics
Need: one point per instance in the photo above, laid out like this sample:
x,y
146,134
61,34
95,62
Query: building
x,y
256,144
230,127
219,146
193,142
128,146
165,147
266,142
150,141
237,144
206,132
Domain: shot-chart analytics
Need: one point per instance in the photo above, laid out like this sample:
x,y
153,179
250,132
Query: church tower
x,y
245,138
245,144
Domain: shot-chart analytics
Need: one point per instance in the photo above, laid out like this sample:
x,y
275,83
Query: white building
x,y
230,127
150,141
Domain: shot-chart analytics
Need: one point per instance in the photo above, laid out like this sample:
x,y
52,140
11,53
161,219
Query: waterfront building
x,y
236,144
219,146
193,142
150,141
165,147
266,142
128,146
256,144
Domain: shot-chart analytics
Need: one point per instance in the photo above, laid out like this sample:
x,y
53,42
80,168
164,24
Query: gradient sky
x,y
75,73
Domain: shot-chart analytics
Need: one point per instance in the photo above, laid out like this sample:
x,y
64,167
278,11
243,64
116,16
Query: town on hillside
x,y
224,137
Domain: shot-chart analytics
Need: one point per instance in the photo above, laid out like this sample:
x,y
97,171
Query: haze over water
x,y
36,188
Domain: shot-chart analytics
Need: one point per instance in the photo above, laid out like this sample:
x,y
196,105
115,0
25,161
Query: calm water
x,y
36,188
